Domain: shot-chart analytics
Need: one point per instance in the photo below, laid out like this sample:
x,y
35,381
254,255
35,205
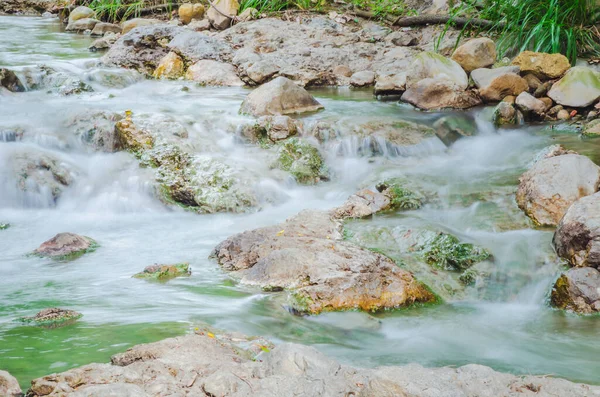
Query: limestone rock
x,y
9,386
273,128
579,88
102,27
577,238
130,137
551,185
578,290
137,22
199,26
105,42
164,272
249,14
213,73
362,204
302,160
307,256
391,84
527,103
277,97
475,54
81,12
544,66
188,11
66,246
496,84
171,66
592,129
430,65
364,78
82,25
53,317
96,129
227,7
10,81
433,94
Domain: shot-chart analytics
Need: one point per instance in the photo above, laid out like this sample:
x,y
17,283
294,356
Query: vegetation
x,y
447,252
118,10
552,26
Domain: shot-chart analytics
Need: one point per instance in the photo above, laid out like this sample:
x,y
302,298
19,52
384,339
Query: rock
x,y
506,114
66,246
430,65
591,129
221,364
96,129
213,73
101,28
543,89
82,25
302,160
171,66
10,81
551,151
130,137
563,115
52,80
434,94
53,317
105,42
4,225
542,65
579,88
392,84
137,22
248,14
273,128
277,97
529,104
362,79
81,12
390,195
578,290
533,82
227,7
577,238
307,256
9,386
199,26
551,185
164,272
496,84
475,54
188,11
452,128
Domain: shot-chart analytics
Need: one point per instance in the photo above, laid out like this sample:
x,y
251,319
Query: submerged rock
x,y
390,195
506,114
66,246
449,253
9,386
53,317
452,128
302,160
47,78
96,129
10,81
307,256
552,184
475,54
542,65
278,97
578,290
271,129
579,88
220,364
164,272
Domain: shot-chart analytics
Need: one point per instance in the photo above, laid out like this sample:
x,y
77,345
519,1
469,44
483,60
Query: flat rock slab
x,y
307,256
65,246
53,317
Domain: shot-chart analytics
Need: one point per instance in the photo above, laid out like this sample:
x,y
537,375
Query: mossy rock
x,y
447,252
401,197
302,160
164,272
4,226
53,317
469,277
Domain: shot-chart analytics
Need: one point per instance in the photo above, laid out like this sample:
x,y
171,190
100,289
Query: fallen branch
x,y
428,20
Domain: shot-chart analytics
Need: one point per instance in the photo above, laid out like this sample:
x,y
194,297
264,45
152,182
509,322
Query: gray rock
x,y
580,87
195,46
529,104
430,65
452,128
9,386
82,25
578,290
483,77
362,79
552,184
278,97
199,26
213,73
96,129
475,53
104,42
391,84
102,28
10,81
273,128
65,246
434,94
47,78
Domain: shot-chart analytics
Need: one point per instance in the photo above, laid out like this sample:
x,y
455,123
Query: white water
x,y
507,324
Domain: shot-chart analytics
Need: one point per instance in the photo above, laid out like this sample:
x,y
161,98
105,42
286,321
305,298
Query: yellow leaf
x,y
265,349
210,335
280,233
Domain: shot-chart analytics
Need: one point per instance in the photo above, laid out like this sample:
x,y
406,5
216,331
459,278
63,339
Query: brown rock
x,y
64,245
510,99
430,94
508,84
136,22
102,27
10,81
170,67
533,82
9,386
475,54
342,70
188,11
542,65
131,138
221,19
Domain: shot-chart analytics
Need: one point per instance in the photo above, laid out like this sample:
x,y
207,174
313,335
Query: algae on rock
x,y
302,160
164,272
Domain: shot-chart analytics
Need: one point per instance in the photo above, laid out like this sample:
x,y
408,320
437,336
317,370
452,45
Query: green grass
x,y
120,10
553,26
381,8
265,6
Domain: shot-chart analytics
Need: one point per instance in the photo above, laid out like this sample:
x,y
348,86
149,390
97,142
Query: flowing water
x,y
505,323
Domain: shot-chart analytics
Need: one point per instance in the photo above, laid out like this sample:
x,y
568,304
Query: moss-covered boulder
x,y
4,225
431,65
53,317
401,197
506,114
164,272
66,246
579,88
577,290
447,252
302,160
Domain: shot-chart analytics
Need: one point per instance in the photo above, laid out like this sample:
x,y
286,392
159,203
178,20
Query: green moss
x,y
164,272
447,252
560,296
401,197
4,226
73,255
66,317
468,277
302,160
300,301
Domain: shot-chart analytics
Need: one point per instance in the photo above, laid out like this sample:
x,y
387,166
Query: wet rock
x,y
101,28
551,185
188,11
273,128
10,81
393,84
130,137
307,256
506,114
430,65
4,225
213,73
363,203
452,128
542,65
137,22
96,129
592,129
578,290
47,78
302,160
81,12
53,317
530,105
563,115
279,97
171,66
475,54
105,42
9,386
362,79
579,88
401,197
434,94
164,272
577,238
496,84
81,25
220,19
66,246
551,151
195,46
449,253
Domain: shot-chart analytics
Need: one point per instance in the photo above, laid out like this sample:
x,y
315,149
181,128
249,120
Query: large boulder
x,y
9,386
475,54
82,25
552,184
434,94
213,73
496,84
81,12
542,65
188,11
307,256
220,17
577,238
578,290
66,246
277,97
579,88
171,66
10,81
430,65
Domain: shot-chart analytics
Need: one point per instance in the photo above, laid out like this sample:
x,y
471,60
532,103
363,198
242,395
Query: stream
x,y
506,323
